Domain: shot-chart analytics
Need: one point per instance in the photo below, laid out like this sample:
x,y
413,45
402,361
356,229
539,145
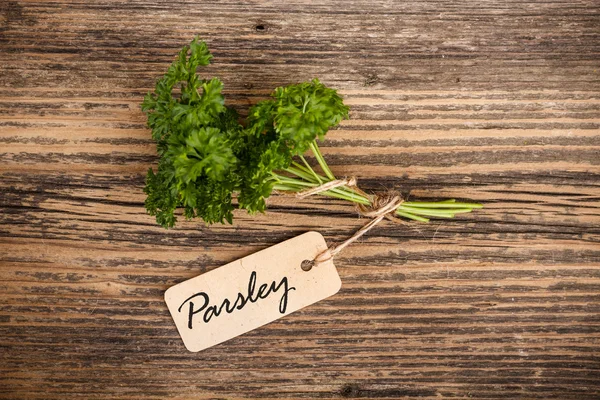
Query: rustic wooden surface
x,y
492,101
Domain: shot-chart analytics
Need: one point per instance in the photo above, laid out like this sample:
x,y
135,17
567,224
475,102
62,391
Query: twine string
x,y
327,186
382,206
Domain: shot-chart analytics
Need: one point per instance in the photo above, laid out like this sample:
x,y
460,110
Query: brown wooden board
x,y
495,101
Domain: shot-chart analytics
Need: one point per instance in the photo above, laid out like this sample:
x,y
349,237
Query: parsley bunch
x,y
207,158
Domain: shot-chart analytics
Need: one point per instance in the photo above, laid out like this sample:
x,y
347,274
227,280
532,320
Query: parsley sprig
x,y
208,159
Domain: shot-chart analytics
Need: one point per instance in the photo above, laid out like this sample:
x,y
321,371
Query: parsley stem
x,y
417,210
318,178
317,152
429,213
311,170
411,216
302,184
440,204
301,174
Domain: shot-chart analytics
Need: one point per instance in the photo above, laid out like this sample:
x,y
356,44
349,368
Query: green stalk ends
x,y
304,177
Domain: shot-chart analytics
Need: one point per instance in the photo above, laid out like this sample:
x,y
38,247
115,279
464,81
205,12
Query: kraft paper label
x,y
250,292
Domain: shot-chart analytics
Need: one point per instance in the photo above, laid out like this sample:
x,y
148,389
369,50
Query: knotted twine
x,y
382,206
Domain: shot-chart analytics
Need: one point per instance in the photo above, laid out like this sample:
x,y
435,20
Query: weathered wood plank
x,y
496,102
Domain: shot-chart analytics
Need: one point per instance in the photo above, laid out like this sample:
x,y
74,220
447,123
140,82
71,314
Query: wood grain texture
x,y
495,101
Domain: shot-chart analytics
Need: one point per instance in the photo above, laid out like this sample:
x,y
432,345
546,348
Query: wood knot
x,y
350,390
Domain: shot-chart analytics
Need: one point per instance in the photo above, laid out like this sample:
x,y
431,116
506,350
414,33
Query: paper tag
x,y
250,292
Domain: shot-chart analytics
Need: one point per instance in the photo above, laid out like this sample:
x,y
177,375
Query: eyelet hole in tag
x,y
252,291
307,265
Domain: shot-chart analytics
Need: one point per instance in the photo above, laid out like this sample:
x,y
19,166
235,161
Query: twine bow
x,y
382,206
